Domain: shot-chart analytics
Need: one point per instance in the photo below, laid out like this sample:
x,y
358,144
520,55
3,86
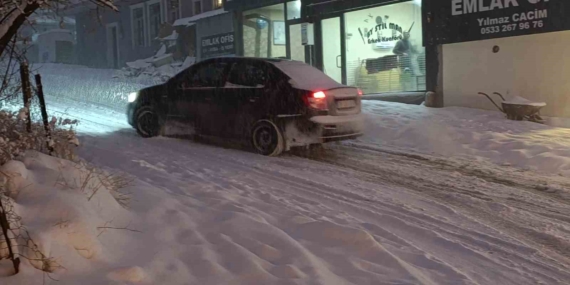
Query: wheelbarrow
x,y
519,108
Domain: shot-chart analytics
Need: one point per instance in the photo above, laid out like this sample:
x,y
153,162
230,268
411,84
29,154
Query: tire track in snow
x,y
357,201
368,210
513,177
539,240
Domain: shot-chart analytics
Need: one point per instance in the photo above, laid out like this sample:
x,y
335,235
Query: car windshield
x,y
306,77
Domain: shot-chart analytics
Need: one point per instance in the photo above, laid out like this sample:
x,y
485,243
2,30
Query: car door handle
x,y
253,100
338,64
208,98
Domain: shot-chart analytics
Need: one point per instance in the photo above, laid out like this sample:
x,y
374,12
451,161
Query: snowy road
x,y
349,215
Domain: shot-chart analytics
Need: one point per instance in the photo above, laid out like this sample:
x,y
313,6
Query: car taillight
x,y
319,95
318,100
359,92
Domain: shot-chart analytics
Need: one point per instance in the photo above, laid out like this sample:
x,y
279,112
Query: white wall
x,y
332,48
536,67
296,41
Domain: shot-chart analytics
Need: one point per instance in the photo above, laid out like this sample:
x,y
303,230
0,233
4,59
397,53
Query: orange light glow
x,y
319,95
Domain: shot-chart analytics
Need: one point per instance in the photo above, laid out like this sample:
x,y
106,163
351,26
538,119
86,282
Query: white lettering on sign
x,y
461,7
218,40
517,22
531,15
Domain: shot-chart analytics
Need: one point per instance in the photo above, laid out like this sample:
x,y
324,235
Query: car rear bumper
x,y
130,113
335,128
322,129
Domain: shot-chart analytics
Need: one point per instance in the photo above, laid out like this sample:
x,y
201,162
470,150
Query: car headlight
x,y
133,97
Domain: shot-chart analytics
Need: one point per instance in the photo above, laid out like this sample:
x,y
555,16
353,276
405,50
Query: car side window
x,y
247,75
208,75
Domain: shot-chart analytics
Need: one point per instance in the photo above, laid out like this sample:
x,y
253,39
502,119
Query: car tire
x,y
147,122
267,138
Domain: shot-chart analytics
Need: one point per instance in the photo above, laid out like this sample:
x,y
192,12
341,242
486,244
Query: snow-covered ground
x,y
467,134
420,199
458,133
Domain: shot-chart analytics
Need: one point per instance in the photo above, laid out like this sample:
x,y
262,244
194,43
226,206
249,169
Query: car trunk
x,y
343,101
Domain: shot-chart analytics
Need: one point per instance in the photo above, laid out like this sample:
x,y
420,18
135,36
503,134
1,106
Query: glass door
x,y
295,43
332,49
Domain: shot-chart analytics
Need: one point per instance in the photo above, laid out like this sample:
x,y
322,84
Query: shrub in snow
x,y
59,210
15,140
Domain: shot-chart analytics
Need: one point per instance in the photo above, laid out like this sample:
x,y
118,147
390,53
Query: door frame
x,y
108,28
308,48
319,42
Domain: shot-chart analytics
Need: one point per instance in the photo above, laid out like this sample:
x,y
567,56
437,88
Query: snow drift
x,y
467,134
65,209
202,237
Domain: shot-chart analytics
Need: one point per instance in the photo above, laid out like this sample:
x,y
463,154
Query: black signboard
x,y
217,45
470,20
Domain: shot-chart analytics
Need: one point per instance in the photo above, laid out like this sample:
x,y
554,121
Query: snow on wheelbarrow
x,y
518,108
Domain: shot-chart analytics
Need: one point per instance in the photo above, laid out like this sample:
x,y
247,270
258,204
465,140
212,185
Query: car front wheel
x,y
147,122
267,138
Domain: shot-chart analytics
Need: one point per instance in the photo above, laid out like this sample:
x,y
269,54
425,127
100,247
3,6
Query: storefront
x,y
514,47
375,45
206,35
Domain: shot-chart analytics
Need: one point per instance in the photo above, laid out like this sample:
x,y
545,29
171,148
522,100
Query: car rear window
x,y
306,77
247,75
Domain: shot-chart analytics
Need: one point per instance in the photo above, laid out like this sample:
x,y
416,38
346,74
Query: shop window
x,y
154,20
218,4
138,25
294,10
197,7
264,32
247,75
384,51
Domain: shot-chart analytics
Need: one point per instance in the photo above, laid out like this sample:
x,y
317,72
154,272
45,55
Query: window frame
x,y
194,7
170,15
164,3
215,4
117,44
160,15
132,8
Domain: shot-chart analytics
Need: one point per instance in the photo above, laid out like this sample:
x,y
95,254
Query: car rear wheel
x,y
267,138
147,122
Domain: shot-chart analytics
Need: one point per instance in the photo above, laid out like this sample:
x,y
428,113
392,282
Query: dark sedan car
x,y
276,104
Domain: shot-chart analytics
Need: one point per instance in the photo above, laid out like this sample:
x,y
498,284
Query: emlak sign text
x,y
460,7
469,20
218,45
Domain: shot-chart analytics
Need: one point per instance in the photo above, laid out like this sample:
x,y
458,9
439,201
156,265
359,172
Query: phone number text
x,y
512,27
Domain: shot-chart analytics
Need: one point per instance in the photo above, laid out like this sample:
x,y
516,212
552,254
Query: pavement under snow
x,y
425,197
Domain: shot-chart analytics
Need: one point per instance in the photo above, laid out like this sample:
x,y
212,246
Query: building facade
x,y
455,48
108,39
516,48
354,42
48,37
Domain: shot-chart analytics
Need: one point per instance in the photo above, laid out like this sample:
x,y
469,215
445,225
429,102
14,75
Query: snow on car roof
x,y
306,77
